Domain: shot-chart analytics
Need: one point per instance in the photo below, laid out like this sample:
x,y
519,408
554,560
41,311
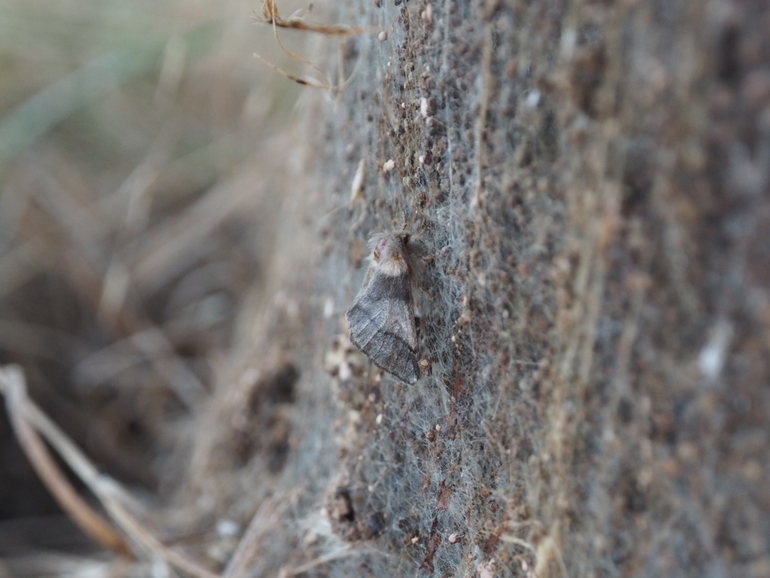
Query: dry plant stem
x,y
482,123
25,415
343,552
519,542
266,517
274,17
271,16
317,562
13,386
108,494
291,76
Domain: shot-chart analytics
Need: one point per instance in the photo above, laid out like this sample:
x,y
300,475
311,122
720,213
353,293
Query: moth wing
x,y
381,322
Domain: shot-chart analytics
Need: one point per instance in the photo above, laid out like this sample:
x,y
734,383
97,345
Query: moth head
x,y
390,254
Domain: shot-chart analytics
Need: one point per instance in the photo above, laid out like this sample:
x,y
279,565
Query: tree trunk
x,y
586,186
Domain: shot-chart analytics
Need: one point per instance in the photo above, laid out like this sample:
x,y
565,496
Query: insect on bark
x,y
381,319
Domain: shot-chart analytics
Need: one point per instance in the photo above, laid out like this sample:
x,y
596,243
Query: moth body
x,y
381,319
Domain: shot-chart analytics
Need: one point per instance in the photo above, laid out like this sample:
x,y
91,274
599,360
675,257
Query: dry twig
x,y
266,516
270,16
28,419
12,385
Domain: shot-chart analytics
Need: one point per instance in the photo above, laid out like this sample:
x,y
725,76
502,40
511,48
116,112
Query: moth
x,y
381,319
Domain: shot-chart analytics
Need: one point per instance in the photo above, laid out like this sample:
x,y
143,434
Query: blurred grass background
x,y
143,154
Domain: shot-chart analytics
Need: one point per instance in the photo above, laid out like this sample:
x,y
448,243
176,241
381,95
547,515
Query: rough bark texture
x,y
589,183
